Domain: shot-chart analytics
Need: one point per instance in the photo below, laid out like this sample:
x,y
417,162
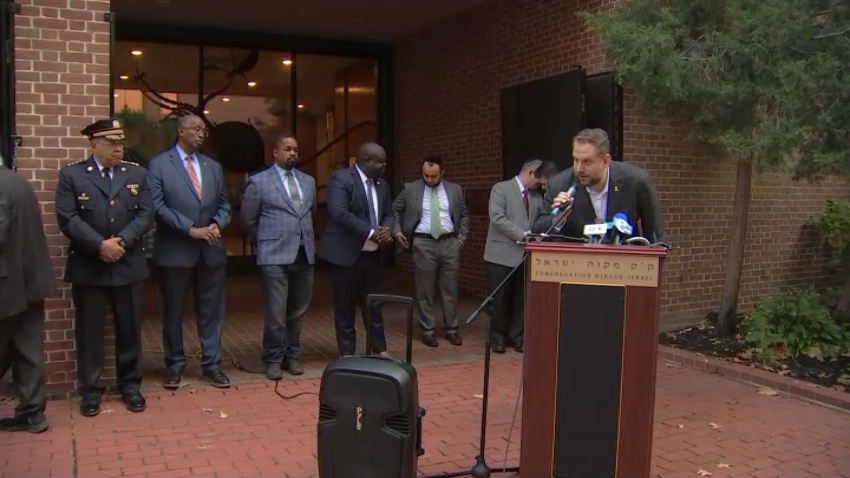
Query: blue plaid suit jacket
x,y
268,216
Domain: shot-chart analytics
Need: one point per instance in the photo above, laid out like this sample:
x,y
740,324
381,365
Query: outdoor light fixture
x,y
225,99
252,84
287,61
136,52
124,77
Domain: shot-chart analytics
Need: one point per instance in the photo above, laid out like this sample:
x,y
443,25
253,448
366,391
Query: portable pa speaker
x,y
370,421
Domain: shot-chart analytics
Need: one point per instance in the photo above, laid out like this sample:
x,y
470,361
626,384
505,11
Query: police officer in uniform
x,y
103,205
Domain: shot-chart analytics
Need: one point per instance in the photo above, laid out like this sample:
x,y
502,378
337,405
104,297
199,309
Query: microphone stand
x,y
481,469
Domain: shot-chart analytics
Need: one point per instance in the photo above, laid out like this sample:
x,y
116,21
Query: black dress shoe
x,y
499,348
89,407
217,378
430,341
24,424
172,379
135,401
454,338
518,347
293,366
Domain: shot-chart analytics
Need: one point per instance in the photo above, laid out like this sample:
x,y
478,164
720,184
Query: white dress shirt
x,y
369,245
446,225
599,199
184,156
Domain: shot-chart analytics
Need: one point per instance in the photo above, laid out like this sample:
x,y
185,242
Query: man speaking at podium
x,y
602,189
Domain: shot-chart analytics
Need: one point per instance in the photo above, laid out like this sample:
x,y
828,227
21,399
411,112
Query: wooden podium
x,y
591,334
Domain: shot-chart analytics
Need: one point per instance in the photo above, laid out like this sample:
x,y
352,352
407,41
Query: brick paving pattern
x,y
184,434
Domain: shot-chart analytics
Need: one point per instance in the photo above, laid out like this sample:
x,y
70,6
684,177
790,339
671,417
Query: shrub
x,y
794,322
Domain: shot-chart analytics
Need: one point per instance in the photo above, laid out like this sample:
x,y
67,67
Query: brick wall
x,y
447,98
62,84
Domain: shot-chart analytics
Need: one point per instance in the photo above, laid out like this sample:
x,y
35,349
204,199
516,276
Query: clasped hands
x,y
110,250
382,236
211,234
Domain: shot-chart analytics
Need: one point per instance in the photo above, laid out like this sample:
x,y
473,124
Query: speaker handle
x,y
371,299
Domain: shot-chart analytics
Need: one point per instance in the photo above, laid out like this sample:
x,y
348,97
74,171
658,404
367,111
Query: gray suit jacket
x,y
26,273
508,222
269,217
178,208
630,191
407,209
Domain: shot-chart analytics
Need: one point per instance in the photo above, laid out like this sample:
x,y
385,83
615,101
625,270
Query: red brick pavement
x,y
183,434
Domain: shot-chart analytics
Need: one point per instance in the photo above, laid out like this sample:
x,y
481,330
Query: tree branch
x,y
833,34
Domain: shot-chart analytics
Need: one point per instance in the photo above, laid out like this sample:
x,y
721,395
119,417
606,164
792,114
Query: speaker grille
x,y
326,413
400,423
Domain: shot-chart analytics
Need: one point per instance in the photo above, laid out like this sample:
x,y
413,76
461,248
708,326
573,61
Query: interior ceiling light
x,y
301,106
124,77
115,95
225,99
136,52
252,84
287,61
206,112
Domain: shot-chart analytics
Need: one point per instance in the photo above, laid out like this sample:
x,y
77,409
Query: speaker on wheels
x,y
370,421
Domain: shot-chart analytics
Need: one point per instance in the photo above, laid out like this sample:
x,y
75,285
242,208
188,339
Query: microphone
x,y
571,193
596,231
621,227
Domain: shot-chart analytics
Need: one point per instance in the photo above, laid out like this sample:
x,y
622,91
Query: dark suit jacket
x,y
407,209
348,225
178,208
88,212
630,191
26,274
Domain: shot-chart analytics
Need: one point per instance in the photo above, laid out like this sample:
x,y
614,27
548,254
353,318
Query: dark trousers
x,y
287,292
90,303
507,311
208,287
22,349
351,286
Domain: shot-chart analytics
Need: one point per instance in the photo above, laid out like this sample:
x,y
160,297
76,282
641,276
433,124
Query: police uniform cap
x,y
109,129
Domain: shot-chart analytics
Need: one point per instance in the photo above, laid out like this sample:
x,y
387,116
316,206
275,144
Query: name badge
x,y
134,189
595,229
83,197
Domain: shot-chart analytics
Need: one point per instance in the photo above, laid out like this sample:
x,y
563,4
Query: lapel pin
x,y
89,168
616,188
123,168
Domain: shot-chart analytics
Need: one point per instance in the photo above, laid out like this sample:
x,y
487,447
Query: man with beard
x,y
604,188
277,212
103,206
190,200
360,217
430,216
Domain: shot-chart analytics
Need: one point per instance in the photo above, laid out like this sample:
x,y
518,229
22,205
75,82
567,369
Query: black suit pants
x,y
90,303
22,349
351,286
507,310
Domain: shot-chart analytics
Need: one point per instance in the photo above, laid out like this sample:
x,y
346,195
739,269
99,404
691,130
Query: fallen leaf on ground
x,y
823,443
768,391
208,410
223,415
670,365
478,395
704,473
723,465
108,410
714,425
681,425
731,402
193,391
201,447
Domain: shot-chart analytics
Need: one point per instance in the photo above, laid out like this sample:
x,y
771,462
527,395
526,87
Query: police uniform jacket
x,y
89,211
